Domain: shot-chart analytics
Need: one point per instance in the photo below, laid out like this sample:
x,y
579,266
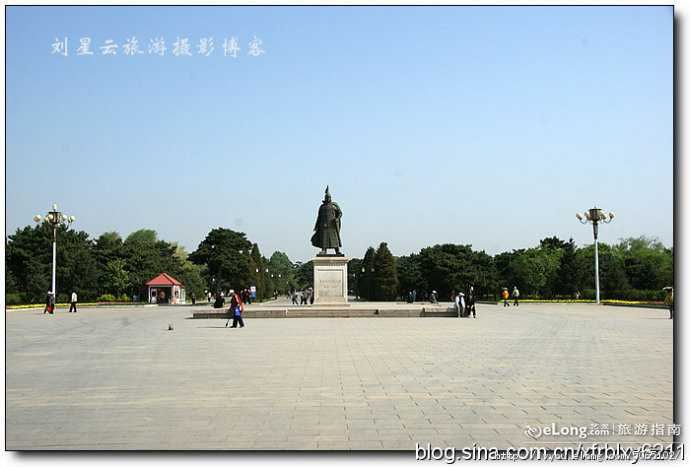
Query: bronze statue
x,y
327,228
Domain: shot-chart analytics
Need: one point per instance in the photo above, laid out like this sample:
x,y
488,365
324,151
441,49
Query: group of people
x,y
50,303
248,296
305,297
505,295
465,304
411,296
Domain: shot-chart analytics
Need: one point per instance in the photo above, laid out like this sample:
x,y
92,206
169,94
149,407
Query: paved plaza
x,y
117,378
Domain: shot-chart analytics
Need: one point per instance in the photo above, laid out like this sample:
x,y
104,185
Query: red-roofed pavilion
x,y
164,288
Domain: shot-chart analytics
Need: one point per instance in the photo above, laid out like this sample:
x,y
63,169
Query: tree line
x,y
112,268
632,269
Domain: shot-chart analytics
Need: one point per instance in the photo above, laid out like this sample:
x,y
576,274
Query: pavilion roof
x,y
163,279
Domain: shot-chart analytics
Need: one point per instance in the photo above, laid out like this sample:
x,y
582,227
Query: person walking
x,y
458,305
209,297
193,299
505,296
433,298
471,299
516,295
668,301
305,297
73,302
236,309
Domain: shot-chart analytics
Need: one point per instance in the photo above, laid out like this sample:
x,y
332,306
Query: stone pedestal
x,y
330,280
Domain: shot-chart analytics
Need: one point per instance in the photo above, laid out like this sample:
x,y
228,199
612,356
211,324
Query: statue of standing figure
x,y
327,228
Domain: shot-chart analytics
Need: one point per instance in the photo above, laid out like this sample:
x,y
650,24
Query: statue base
x,y
330,280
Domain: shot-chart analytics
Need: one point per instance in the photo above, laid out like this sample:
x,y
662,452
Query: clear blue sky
x,y
487,126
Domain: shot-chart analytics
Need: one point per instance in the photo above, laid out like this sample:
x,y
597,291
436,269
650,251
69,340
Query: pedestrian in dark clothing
x,y
50,303
236,308
73,302
471,299
193,299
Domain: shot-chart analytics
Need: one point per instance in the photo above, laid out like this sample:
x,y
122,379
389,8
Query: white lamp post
x,y
595,216
55,218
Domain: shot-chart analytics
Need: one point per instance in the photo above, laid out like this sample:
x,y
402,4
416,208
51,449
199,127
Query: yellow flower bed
x,y
532,300
630,302
605,302
62,305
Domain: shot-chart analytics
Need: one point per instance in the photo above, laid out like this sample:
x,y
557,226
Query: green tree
x,y
115,278
108,247
353,271
484,276
365,283
551,249
534,270
567,273
410,274
611,270
449,268
29,260
304,275
284,271
260,278
553,243
77,268
648,264
146,256
226,255
504,268
385,278
191,277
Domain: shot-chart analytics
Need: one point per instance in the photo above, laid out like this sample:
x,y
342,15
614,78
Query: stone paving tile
x,y
123,381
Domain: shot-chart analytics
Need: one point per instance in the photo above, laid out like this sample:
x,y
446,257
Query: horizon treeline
x,y
111,268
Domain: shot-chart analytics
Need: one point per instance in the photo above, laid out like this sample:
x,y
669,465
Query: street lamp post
x,y
55,218
594,216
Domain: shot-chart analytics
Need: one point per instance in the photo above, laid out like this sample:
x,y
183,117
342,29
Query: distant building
x,y
164,288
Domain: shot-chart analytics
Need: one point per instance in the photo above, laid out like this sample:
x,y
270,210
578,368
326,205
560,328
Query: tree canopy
x,y
226,259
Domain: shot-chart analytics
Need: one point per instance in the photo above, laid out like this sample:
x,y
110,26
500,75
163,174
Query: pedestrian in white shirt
x,y
73,302
460,304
